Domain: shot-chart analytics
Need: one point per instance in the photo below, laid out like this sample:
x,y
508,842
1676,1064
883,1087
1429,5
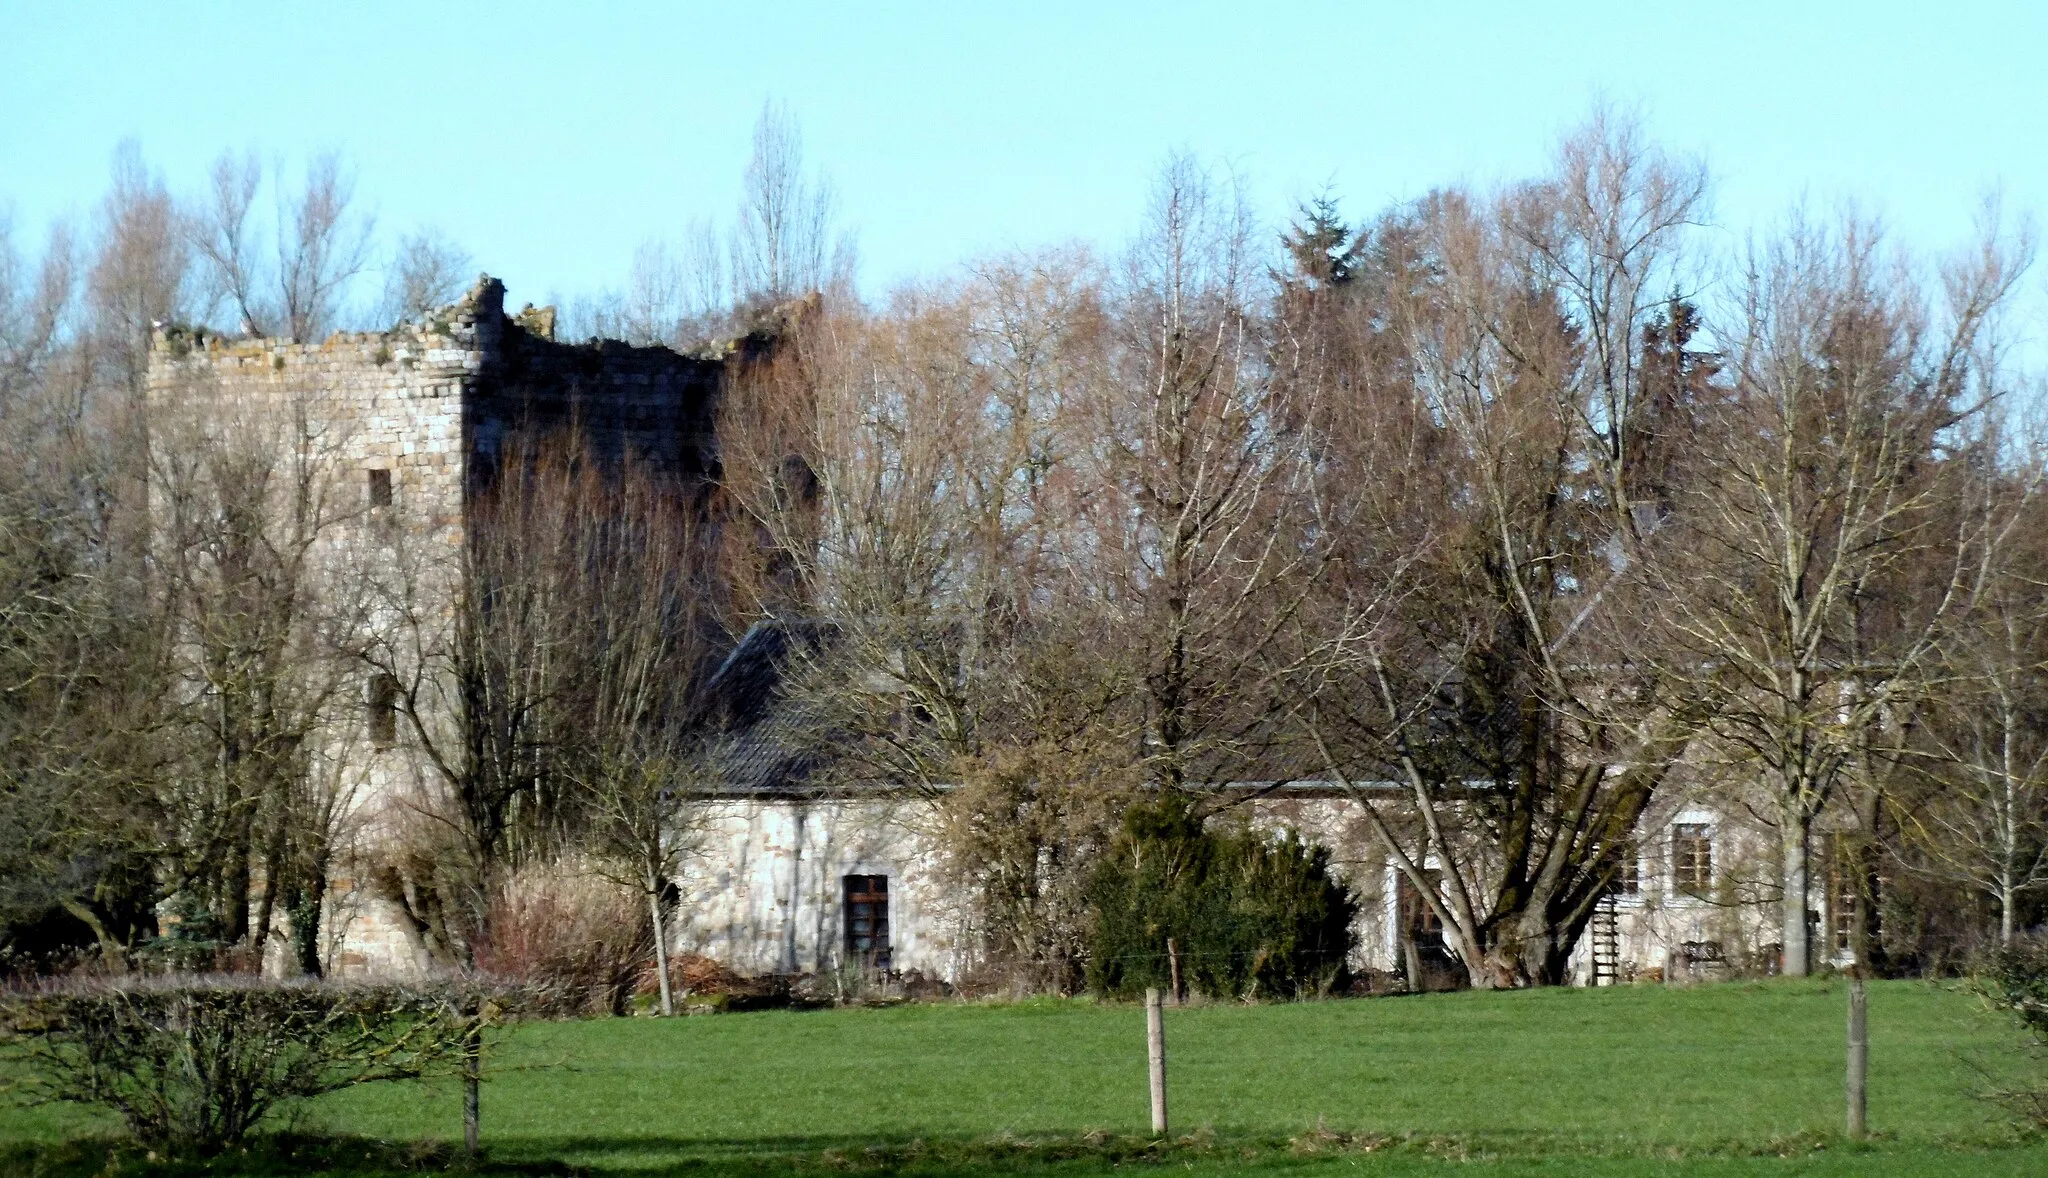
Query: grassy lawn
x,y
1713,1080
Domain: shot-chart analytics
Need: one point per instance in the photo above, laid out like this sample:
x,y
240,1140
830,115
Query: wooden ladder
x,y
1606,932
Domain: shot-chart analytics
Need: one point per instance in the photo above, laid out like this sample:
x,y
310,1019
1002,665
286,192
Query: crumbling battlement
x,y
652,403
434,401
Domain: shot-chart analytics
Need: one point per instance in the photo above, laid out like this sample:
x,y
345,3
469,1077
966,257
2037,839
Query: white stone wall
x,y
763,891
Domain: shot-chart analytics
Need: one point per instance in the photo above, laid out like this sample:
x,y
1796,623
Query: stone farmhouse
x,y
794,878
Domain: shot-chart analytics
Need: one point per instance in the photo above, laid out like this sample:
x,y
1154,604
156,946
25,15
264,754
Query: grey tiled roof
x,y
768,743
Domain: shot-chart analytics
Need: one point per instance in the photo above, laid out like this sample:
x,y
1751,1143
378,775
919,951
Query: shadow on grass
x,y
1090,1153
651,1156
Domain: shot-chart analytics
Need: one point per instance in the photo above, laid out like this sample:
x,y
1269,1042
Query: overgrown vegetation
x,y
578,944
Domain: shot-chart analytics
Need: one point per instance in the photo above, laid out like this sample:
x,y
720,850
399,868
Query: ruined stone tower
x,y
407,427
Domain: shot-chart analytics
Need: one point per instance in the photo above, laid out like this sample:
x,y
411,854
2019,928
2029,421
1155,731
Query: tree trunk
x,y
111,952
266,911
1795,833
235,905
2005,905
2008,840
305,921
1411,958
668,1004
1496,967
1866,931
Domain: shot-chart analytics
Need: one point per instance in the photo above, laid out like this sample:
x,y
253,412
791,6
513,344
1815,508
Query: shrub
x,y
194,1064
1247,914
194,940
581,941
1024,830
2015,978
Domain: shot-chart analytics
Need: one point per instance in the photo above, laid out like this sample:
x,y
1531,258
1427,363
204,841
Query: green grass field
x,y
1713,1080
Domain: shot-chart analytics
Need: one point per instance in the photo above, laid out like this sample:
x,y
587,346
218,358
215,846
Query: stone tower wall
x,y
390,400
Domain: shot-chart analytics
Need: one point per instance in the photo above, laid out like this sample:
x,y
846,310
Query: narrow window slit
x,y
383,710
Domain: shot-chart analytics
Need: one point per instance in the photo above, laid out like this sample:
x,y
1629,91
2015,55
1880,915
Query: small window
x,y
1692,858
867,921
380,487
1631,881
1842,898
383,710
1842,919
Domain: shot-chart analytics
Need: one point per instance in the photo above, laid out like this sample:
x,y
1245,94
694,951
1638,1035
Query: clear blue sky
x,y
550,139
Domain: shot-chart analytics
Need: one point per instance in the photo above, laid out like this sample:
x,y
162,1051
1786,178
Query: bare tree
x,y
1485,684
1985,823
648,642
842,459
548,669
1191,478
140,277
78,681
77,687
320,244
678,294
655,311
786,243
428,272
323,243
262,623
471,655
34,313
1821,476
904,484
708,294
225,239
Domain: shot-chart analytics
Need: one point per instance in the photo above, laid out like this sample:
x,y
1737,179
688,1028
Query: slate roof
x,y
769,745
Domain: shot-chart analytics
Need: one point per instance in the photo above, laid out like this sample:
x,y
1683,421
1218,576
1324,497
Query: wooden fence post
x,y
472,1076
1859,1058
1155,1051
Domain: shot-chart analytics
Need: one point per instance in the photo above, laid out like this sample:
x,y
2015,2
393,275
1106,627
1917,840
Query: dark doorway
x,y
867,921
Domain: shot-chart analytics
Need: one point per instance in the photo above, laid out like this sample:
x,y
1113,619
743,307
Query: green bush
x,y
1247,914
2015,978
194,1064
